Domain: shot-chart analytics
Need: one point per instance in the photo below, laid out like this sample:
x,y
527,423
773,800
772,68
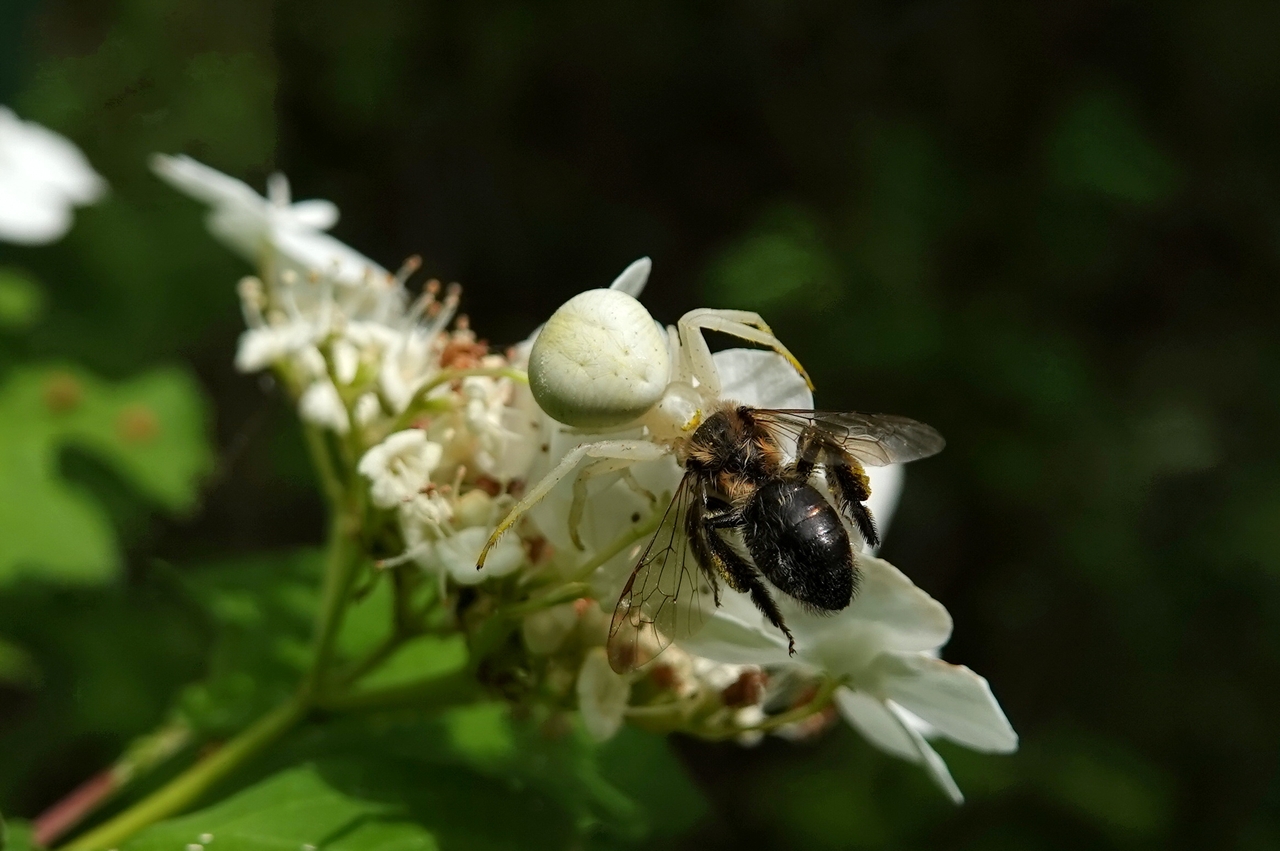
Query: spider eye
x,y
600,361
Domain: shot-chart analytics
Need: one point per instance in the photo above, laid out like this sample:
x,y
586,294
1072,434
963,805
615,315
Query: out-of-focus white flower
x,y
602,696
43,176
546,629
456,556
399,467
261,229
321,404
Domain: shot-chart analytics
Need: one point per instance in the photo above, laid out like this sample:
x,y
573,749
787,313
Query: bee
x,y
738,478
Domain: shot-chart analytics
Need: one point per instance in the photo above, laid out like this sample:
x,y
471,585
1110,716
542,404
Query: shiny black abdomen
x,y
797,541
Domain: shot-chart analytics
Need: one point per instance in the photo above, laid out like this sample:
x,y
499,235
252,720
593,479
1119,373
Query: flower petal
x,y
321,405
31,214
48,159
885,728
633,278
602,696
761,379
315,213
738,634
952,699
457,555
886,490
202,182
873,720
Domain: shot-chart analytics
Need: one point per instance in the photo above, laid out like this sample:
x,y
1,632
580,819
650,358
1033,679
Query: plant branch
x,y
187,787
144,755
436,692
317,445
344,557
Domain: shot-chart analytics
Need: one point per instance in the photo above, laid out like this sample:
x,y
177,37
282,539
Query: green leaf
x,y
1099,145
643,766
150,429
262,610
782,260
21,301
15,836
337,806
17,668
469,778
111,657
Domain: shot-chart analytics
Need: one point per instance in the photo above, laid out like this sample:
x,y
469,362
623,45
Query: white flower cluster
x,y
43,176
448,438
437,424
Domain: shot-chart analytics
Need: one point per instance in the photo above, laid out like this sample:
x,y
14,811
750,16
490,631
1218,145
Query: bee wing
x,y
875,439
668,595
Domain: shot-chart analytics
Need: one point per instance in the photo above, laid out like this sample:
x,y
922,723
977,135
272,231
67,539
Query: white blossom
x,y
259,228
456,555
321,404
546,629
602,696
399,467
43,176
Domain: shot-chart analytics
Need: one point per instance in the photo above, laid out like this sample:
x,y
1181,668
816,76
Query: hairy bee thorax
x,y
730,445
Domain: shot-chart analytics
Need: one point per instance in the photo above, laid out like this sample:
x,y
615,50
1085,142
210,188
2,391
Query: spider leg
x,y
742,324
631,451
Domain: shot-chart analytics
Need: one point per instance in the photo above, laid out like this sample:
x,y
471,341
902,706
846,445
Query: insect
x,y
738,478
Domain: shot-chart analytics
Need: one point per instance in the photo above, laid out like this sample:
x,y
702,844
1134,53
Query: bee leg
x,y
712,550
845,476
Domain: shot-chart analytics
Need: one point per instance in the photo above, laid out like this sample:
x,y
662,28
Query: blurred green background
x,y
1050,230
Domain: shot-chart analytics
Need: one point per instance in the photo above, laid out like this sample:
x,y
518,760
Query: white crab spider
x,y
602,363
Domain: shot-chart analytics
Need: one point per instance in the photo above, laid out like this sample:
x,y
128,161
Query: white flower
x,y
456,556
503,429
546,629
42,177
400,467
883,647
321,404
260,228
602,696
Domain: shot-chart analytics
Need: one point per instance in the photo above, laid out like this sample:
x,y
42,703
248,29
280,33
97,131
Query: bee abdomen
x,y
800,544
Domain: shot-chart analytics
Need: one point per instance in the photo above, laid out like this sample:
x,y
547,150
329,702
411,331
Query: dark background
x,y
1049,230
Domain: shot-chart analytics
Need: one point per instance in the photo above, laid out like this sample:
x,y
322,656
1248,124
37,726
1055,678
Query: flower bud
x,y
600,361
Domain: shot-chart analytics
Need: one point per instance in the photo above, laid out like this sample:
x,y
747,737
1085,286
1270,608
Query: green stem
x,y
445,377
814,705
345,555
436,692
143,756
187,787
322,457
380,654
